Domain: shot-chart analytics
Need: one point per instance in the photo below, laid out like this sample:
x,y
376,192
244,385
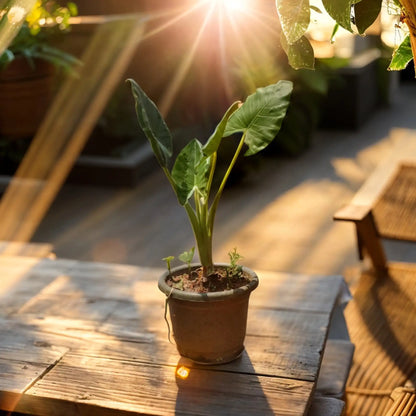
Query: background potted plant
x,y
28,65
208,302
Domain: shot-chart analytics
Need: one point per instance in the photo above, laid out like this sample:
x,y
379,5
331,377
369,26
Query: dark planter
x,y
209,328
26,93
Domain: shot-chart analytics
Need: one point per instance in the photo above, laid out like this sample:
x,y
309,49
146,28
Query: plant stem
x,y
213,209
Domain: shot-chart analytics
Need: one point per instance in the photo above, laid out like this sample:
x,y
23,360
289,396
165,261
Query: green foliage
x,y
299,53
235,270
353,15
256,122
401,56
294,17
340,11
45,21
187,257
168,261
366,12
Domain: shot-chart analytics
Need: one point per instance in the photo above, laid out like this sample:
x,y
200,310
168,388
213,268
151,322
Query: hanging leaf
x,y
294,18
340,11
152,124
401,56
190,171
261,116
334,32
300,53
366,12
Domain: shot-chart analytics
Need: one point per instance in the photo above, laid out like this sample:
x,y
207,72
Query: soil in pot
x,y
195,281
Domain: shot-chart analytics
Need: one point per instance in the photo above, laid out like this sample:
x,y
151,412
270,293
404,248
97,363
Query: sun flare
x,y
234,5
217,41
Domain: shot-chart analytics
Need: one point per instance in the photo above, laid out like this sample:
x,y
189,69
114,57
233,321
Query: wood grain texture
x,y
89,338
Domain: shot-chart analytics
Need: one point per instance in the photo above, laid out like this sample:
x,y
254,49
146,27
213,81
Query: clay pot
x,y
25,95
209,328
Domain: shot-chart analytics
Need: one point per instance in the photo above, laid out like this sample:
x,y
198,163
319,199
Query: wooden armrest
x,y
352,213
368,237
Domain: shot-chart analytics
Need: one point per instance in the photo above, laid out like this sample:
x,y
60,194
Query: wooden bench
x,y
384,206
381,317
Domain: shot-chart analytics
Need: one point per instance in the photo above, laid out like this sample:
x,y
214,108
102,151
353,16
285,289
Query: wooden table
x,y
90,338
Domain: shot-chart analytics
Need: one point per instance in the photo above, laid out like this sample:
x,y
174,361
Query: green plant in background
x,y
257,120
356,16
43,23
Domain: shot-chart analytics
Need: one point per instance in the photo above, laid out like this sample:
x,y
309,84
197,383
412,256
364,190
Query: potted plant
x,y
208,302
28,65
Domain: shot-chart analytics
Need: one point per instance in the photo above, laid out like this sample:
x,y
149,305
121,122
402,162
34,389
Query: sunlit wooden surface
x,y
89,338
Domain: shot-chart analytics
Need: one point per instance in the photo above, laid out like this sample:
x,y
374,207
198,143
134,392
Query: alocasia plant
x,y
256,122
353,15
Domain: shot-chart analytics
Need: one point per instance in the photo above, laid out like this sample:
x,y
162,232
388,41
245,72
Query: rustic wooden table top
x,y
90,338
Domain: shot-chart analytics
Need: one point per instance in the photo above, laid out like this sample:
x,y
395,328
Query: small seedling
x,y
168,261
187,257
234,270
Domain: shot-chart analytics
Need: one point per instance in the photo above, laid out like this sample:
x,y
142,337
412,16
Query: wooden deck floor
x,y
279,217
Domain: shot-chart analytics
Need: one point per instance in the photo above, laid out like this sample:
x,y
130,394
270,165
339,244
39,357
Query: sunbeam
x,y
204,42
183,68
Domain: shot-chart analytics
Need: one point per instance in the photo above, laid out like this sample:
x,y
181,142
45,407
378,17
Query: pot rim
x,y
210,296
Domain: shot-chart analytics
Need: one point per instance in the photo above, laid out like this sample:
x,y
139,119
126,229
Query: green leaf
x,y
366,12
212,144
190,171
261,116
401,56
187,256
334,32
300,54
152,124
294,18
340,11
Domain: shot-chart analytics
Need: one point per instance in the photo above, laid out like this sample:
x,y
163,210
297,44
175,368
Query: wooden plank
x,y
25,356
107,322
142,388
296,291
276,340
335,368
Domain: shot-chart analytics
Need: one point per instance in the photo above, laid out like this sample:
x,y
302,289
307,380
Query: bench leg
x,y
369,240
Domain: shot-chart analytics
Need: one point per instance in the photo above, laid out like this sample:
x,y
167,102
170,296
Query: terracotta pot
x,y
25,94
209,328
